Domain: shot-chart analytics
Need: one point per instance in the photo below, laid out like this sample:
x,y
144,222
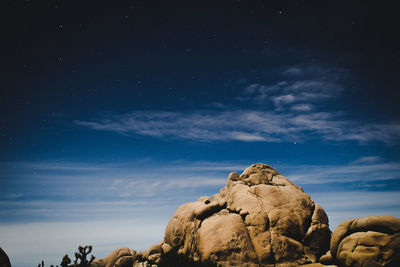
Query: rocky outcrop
x,y
258,218
125,257
119,257
4,260
368,241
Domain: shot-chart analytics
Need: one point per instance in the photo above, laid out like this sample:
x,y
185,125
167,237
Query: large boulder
x,y
259,218
368,241
4,260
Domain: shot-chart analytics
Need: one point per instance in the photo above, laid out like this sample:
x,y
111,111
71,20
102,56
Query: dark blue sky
x,y
113,114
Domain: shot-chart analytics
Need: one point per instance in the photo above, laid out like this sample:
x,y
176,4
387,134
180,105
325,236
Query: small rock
x,y
4,260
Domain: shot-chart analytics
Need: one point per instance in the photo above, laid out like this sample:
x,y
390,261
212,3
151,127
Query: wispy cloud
x,y
361,171
60,190
246,126
297,85
290,110
368,159
302,107
135,182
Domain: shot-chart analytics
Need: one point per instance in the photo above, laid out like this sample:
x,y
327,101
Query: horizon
x,y
113,115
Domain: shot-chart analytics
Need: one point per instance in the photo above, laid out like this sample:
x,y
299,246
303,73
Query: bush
x,y
81,259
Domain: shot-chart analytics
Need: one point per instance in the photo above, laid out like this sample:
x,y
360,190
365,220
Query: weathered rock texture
x,y
4,260
259,218
125,257
368,241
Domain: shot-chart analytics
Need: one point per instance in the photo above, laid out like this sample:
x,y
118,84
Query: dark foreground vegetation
x,y
81,258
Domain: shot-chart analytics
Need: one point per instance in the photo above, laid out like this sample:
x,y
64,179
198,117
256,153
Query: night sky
x,y
112,114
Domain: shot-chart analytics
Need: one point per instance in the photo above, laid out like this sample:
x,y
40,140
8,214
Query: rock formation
x,y
368,241
260,218
119,257
4,260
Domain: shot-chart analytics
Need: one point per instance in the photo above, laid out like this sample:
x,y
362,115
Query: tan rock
x,y
258,218
166,248
153,254
125,257
125,261
223,237
327,258
368,241
121,257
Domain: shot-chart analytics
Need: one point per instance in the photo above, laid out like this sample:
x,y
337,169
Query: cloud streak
x,y
246,126
358,172
290,110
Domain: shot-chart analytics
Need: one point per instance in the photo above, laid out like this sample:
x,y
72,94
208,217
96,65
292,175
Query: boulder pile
x,y
260,218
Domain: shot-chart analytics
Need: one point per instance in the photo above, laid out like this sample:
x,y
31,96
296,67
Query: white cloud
x,y
368,159
284,99
289,110
345,173
299,85
67,167
302,107
247,126
14,195
293,71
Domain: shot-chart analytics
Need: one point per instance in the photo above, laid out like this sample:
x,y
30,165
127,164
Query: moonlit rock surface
x,y
119,257
368,241
258,218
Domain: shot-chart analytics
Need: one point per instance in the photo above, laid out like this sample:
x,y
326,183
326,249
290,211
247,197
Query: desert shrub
x,y
81,258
